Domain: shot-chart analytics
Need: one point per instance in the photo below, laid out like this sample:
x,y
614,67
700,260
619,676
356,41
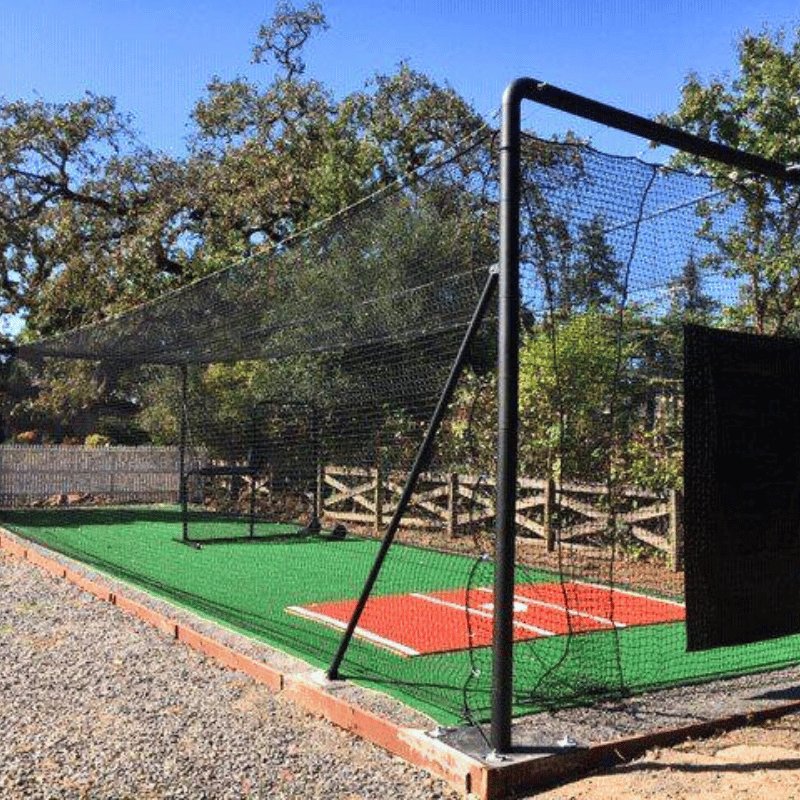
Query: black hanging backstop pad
x,y
742,487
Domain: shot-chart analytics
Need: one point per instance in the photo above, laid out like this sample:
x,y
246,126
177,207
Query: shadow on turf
x,y
300,535
68,517
71,517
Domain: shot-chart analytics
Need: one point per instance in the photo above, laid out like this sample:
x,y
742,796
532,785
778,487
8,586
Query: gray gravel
x,y
96,704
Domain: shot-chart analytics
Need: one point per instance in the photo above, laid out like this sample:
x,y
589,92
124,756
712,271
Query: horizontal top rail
x,y
546,94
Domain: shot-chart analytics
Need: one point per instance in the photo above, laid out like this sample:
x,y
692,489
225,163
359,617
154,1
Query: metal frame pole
x,y
508,356
548,95
423,455
508,422
316,455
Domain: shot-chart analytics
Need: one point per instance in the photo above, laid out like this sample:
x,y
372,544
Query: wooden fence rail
x,y
569,513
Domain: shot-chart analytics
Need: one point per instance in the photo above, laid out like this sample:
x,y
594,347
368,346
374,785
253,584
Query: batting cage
x,y
469,483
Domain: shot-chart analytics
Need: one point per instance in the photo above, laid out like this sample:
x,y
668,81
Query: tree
x,y
689,301
274,158
660,340
284,36
574,375
756,111
93,223
87,228
591,275
68,197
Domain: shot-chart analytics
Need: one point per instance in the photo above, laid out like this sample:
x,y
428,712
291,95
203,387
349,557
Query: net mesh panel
x,y
618,256
742,407
262,469
293,386
310,375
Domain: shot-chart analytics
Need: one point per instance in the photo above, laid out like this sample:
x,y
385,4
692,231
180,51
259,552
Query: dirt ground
x,y
758,762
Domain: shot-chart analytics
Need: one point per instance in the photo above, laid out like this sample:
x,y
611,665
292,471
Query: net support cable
x,y
509,331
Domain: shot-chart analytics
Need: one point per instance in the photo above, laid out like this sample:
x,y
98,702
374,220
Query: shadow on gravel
x,y
787,693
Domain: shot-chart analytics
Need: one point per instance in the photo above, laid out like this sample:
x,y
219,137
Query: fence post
x,y
676,530
378,498
452,503
320,489
183,487
549,504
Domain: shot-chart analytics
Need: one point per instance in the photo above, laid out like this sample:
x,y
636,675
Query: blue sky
x,y
156,56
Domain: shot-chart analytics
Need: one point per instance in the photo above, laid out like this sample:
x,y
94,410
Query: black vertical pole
x,y
182,484
508,422
252,459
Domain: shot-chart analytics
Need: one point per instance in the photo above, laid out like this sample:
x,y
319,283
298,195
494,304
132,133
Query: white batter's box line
x,y
532,601
523,625
362,633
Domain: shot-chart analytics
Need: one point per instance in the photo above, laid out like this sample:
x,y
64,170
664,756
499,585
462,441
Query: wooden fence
x,y
49,472
569,513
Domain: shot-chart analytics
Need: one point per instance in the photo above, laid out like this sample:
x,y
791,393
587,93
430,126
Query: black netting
x,y
295,389
618,257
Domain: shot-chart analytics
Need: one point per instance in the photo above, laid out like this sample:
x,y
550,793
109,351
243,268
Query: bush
x,y
97,440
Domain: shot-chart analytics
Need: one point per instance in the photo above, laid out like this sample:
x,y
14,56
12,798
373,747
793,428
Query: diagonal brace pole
x,y
423,455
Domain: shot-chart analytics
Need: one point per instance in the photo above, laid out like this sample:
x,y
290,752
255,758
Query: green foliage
x,y
653,458
590,410
67,196
573,382
97,440
468,442
756,110
55,399
589,275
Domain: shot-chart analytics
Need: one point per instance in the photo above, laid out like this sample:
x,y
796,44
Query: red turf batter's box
x,y
437,622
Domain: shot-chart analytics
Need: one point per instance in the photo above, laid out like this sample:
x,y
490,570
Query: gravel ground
x,y
96,704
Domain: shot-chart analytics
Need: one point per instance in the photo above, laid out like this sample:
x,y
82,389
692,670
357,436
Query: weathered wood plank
x,y
448,501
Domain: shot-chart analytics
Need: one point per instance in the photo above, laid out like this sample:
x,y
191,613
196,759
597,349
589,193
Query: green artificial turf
x,y
248,584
